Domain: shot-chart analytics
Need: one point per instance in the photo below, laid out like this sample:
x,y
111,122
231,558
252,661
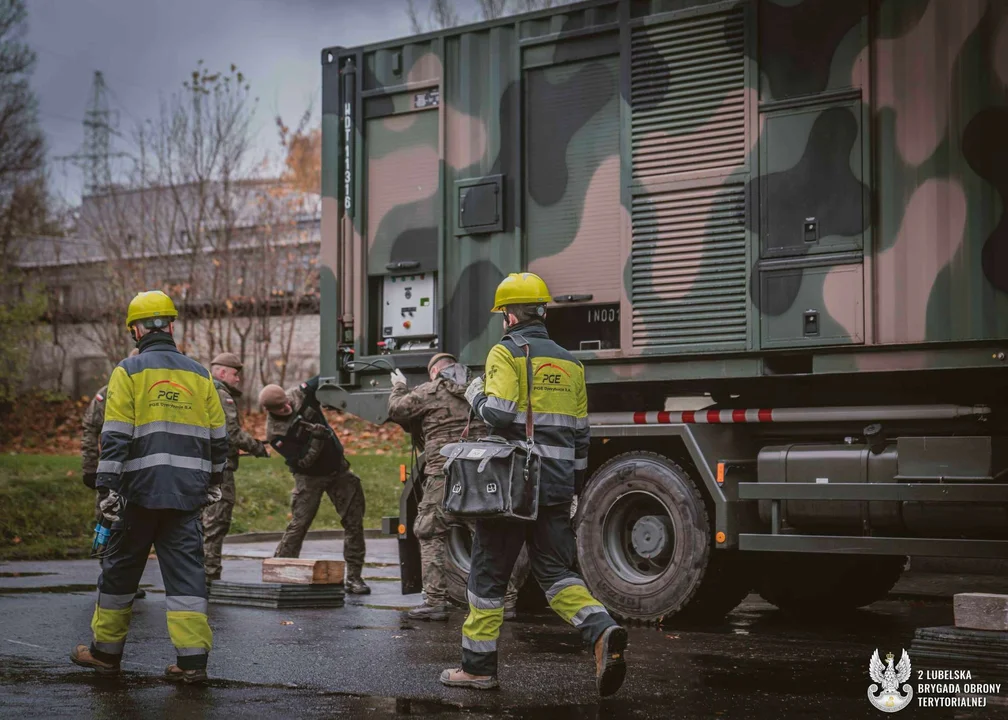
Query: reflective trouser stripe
x,y
110,627
584,612
188,652
482,628
560,585
189,631
574,604
484,603
115,602
481,646
188,603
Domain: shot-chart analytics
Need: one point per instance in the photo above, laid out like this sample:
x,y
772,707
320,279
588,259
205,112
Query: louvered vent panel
x,y
688,95
689,267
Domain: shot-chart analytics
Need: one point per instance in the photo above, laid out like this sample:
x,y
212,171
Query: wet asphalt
x,y
367,659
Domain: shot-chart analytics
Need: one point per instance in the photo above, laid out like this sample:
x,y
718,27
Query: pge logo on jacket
x,y
168,393
550,374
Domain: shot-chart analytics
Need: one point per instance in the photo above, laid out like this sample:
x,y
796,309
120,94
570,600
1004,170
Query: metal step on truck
x,y
776,236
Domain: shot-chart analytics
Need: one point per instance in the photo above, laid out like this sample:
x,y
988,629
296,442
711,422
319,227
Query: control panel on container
x,y
409,312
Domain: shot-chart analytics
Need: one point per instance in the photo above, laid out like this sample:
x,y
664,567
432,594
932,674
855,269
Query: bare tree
x,y
442,13
23,198
202,144
283,286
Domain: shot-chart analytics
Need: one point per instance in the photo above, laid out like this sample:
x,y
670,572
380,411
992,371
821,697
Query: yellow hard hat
x,y
520,289
149,305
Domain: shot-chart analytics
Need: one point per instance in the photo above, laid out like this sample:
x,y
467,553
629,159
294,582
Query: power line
x,y
93,158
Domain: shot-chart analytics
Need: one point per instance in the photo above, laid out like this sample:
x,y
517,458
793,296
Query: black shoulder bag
x,y
494,477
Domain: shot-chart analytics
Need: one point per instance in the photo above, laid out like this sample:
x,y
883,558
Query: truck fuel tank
x,y
906,459
830,464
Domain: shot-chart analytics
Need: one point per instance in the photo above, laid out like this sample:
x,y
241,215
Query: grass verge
x,y
46,512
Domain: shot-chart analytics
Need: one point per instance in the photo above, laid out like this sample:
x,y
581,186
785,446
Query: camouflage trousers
x,y
431,528
347,496
216,524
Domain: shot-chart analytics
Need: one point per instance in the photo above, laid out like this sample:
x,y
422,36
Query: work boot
x,y
460,678
355,584
175,674
81,655
610,668
433,611
140,594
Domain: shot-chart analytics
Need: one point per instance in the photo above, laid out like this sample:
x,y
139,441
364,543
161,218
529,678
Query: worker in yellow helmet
x,y
164,446
562,434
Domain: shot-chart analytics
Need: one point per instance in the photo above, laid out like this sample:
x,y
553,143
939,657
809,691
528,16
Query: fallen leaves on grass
x,y
37,424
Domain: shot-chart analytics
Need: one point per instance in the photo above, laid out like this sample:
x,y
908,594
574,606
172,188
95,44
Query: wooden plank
x,y
981,611
302,571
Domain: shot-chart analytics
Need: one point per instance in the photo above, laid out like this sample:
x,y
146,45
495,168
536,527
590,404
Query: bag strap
x,y
529,422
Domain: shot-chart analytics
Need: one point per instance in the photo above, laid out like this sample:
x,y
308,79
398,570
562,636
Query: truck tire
x,y
458,560
803,584
458,545
644,544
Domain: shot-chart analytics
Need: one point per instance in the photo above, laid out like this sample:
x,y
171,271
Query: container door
x,y
572,197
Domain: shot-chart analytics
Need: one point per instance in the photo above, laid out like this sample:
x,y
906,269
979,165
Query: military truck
x,y
776,236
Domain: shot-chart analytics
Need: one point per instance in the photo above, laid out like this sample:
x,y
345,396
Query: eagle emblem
x,y
889,698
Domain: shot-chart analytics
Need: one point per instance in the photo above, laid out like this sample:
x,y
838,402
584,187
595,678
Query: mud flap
x,y
410,569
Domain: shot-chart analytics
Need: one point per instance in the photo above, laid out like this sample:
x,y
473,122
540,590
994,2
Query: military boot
x,y
610,667
355,584
510,606
430,611
173,673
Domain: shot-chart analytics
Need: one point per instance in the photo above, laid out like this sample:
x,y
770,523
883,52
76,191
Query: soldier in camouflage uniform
x,y
297,429
226,371
441,408
94,418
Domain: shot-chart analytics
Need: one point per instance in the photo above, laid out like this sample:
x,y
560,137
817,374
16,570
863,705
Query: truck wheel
x,y
804,584
458,546
458,560
644,543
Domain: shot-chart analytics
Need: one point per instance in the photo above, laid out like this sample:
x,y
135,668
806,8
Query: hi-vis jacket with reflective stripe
x,y
164,435
559,405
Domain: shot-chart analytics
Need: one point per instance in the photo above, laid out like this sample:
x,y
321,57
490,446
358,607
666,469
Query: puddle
x,y
50,589
22,574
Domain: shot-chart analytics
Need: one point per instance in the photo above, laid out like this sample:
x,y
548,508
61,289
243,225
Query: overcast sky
x,y
148,47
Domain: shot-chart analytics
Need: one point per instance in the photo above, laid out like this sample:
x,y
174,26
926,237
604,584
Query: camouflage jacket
x,y
238,438
304,438
440,408
94,418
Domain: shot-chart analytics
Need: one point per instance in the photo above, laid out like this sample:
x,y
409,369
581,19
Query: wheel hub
x,y
650,536
639,537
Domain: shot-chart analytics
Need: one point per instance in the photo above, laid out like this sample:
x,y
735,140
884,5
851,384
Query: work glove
x,y
397,377
262,451
111,504
474,390
90,479
214,494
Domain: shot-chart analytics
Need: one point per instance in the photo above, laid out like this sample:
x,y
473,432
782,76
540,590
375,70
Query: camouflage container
x,y
710,189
